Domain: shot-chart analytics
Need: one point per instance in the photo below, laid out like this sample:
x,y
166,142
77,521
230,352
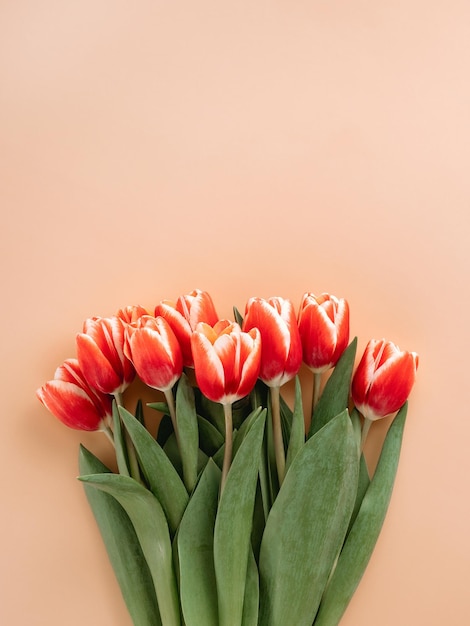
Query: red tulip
x,y
383,379
324,330
281,354
131,313
69,398
100,352
184,315
154,350
226,360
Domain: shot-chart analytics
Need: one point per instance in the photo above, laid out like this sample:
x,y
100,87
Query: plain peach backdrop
x,y
257,147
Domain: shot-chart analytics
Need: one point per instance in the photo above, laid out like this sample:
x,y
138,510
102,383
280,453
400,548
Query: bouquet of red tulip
x,y
239,510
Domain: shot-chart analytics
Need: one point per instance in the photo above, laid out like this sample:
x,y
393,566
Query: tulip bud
x,y
383,379
184,315
100,352
154,351
226,360
69,398
324,330
281,354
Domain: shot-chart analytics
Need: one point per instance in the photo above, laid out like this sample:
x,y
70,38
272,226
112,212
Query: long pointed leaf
x,y
210,438
123,548
161,476
363,536
335,396
297,433
152,531
196,552
251,601
307,525
232,533
186,419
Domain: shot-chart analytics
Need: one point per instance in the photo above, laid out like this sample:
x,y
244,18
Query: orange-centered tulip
x,y
281,354
324,330
69,398
131,313
184,315
226,360
383,379
154,350
100,352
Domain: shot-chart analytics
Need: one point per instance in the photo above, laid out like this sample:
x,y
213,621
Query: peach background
x,y
248,148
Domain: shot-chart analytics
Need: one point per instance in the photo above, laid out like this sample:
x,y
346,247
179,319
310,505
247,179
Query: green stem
x,y
274,393
109,433
134,468
316,390
228,444
365,430
172,409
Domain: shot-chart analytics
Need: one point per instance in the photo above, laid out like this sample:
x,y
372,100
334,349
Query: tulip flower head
x,y
100,352
383,379
281,354
324,330
226,360
184,315
131,313
154,350
69,398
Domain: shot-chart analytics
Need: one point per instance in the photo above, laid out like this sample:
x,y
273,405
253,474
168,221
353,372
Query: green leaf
x,y
233,526
251,601
161,476
164,430
264,482
286,420
259,522
259,394
297,433
123,548
357,426
364,533
186,419
153,534
212,411
307,525
196,548
335,396
241,409
272,475
139,412
237,316
362,487
210,439
161,407
244,429
173,453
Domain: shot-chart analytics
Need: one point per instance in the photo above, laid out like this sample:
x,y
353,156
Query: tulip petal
x,y
364,373
156,366
225,347
392,384
179,325
276,339
70,404
250,358
96,368
383,380
209,370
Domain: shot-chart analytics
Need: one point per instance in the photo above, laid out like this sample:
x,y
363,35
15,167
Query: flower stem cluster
x,y
229,445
